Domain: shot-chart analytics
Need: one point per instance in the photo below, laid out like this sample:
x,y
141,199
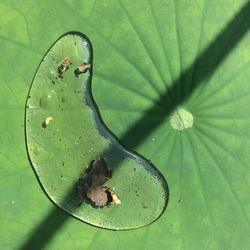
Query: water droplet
x,y
85,138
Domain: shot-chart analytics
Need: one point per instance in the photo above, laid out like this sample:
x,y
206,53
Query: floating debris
x,y
82,69
47,121
63,67
90,185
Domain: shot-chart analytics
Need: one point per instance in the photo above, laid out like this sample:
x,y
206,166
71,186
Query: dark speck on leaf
x,y
44,125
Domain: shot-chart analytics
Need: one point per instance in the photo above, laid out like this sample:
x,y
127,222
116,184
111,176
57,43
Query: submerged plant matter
x,y
90,185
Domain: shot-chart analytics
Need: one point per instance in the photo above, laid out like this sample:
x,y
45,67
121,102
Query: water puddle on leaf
x,y
65,138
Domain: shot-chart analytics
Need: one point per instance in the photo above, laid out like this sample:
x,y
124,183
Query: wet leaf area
x,y
90,186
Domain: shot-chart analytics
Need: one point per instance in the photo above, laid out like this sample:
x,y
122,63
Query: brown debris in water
x,y
63,67
90,185
82,69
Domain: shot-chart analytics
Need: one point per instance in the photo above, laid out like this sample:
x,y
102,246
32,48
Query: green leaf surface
x,y
151,58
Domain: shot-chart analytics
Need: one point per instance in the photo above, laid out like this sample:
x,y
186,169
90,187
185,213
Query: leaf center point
x,y
181,119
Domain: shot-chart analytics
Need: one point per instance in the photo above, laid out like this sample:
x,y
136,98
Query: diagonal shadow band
x,y
208,61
